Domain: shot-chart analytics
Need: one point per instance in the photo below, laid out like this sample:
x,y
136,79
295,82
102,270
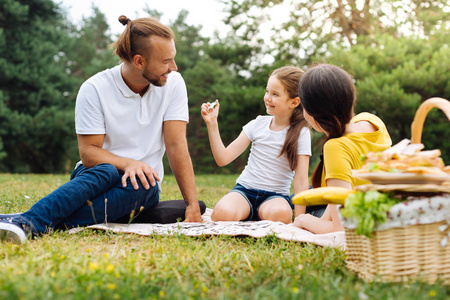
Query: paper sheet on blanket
x,y
255,229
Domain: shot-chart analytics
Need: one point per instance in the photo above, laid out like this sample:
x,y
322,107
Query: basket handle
x,y
421,114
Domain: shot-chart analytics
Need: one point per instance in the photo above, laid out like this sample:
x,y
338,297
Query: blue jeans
x,y
68,206
257,197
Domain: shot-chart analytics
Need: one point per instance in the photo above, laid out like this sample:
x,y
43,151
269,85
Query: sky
x,y
207,13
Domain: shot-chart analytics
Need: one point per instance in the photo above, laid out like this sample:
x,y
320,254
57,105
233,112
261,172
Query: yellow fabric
x,y
343,154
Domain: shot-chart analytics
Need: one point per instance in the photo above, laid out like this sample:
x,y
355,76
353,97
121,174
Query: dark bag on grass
x,y
169,211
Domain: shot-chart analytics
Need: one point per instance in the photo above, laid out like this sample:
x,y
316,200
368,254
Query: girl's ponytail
x,y
290,146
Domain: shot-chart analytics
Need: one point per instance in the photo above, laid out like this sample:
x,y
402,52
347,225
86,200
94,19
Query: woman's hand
x,y
210,112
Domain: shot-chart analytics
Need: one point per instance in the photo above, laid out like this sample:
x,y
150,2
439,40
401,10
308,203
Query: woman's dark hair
x,y
289,76
327,94
134,39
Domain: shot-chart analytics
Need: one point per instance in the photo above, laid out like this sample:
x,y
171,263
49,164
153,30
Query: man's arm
x,y
181,164
92,154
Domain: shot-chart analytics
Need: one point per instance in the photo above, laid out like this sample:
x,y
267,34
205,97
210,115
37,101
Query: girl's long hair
x,y
327,94
289,76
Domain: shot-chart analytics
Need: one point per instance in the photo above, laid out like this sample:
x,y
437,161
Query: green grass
x,y
103,265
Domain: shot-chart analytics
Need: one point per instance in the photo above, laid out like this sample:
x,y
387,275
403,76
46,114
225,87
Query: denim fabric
x,y
255,198
68,207
316,210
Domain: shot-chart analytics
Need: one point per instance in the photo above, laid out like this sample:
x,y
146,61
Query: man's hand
x,y
141,170
193,214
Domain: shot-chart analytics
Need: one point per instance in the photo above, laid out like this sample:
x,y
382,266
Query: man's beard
x,y
155,80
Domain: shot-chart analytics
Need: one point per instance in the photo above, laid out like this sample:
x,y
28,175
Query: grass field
x,y
102,265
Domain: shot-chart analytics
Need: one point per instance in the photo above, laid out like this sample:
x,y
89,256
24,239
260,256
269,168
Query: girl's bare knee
x,y
280,214
225,214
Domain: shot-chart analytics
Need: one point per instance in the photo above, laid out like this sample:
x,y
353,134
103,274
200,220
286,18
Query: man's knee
x,y
108,171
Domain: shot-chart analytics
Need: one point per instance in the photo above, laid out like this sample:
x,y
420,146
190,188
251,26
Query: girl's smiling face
x,y
277,99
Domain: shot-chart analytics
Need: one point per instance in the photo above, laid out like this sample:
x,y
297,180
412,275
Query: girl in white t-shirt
x,y
280,151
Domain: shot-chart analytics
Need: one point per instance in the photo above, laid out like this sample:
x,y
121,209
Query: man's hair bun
x,y
124,20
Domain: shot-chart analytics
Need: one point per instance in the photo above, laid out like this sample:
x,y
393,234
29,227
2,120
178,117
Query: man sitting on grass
x,y
125,119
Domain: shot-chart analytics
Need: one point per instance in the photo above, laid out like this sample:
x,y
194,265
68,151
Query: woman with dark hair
x,y
328,97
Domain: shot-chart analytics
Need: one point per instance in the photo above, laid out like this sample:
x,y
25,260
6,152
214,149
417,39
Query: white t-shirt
x,y
265,169
133,125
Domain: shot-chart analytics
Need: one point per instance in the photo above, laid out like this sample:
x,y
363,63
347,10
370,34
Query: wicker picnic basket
x,y
414,252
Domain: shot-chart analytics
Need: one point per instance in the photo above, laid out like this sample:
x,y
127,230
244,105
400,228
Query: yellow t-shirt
x,y
343,154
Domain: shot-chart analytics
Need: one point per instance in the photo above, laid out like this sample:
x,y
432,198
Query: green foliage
x,y
189,43
89,50
44,60
208,81
209,76
395,75
32,79
305,27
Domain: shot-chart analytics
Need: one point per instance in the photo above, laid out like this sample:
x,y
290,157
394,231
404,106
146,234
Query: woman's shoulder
x,y
371,118
336,145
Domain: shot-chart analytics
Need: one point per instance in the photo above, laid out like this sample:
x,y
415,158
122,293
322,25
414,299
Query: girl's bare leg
x,y
326,214
329,222
276,209
232,207
337,225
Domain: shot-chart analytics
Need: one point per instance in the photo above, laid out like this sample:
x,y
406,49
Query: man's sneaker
x,y
12,232
9,216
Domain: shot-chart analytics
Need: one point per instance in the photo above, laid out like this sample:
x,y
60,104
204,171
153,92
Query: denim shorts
x,y
257,197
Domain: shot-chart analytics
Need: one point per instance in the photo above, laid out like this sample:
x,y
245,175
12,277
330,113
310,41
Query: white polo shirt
x,y
133,125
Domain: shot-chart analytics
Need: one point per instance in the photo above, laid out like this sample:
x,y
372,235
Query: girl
x,y
281,147
328,97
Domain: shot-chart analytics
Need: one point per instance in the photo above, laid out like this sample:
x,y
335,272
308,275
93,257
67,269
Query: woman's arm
x,y
223,155
301,180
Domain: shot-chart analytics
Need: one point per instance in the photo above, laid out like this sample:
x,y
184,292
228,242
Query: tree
x,y
44,59
210,76
89,51
34,87
395,75
306,27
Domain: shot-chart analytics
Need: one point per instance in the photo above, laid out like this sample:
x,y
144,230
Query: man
x,y
125,118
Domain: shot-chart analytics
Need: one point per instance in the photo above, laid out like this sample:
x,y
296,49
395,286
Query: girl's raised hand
x,y
210,111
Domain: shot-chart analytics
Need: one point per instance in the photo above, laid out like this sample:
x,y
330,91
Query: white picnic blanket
x,y
255,229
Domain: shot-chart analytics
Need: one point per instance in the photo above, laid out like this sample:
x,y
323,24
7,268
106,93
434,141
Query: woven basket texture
x,y
400,254
403,253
